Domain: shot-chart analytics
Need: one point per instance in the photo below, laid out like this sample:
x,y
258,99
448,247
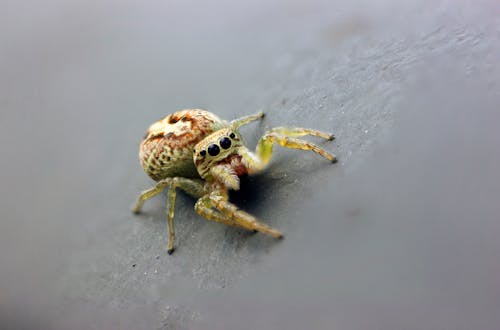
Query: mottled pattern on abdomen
x,y
167,148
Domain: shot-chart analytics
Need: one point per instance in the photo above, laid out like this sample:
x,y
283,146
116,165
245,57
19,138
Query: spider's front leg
x,y
216,207
193,187
287,137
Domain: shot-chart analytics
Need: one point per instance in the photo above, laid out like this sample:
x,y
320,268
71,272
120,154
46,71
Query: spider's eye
x,y
213,150
232,136
225,143
203,153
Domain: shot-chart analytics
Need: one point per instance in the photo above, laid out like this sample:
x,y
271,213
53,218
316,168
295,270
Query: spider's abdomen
x,y
167,147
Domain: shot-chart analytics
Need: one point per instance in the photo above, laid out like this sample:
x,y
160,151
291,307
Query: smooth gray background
x,y
402,233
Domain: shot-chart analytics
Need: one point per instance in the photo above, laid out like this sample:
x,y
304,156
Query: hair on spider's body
x,y
196,151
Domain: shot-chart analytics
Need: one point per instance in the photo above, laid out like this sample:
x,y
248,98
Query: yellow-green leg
x,y
286,137
147,194
204,208
171,207
246,120
297,131
194,187
229,214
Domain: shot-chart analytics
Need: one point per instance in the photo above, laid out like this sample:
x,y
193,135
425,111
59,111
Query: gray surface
x,y
402,233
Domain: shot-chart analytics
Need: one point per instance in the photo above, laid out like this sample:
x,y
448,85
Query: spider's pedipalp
x,y
227,175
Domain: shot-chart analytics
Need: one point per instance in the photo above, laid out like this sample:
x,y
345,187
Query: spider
x,y
197,152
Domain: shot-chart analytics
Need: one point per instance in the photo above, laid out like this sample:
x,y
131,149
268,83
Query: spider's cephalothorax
x,y
203,155
218,158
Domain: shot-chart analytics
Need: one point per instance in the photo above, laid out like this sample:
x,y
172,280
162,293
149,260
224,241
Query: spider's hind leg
x,y
287,137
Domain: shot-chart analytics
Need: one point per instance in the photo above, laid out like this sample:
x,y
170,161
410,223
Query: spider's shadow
x,y
255,190
252,193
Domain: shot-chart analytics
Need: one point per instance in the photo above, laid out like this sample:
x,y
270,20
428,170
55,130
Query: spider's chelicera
x,y
197,152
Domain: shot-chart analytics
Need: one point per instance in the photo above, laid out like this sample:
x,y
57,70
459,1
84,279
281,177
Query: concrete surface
x,y
401,233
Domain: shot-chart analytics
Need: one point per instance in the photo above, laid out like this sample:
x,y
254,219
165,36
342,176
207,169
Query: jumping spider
x,y
203,155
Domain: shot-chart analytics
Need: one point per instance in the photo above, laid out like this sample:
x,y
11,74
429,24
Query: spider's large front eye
x,y
213,150
225,143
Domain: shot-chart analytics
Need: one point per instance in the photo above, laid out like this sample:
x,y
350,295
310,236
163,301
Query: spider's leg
x,y
193,187
147,194
190,186
285,137
204,207
237,123
241,218
171,206
298,131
